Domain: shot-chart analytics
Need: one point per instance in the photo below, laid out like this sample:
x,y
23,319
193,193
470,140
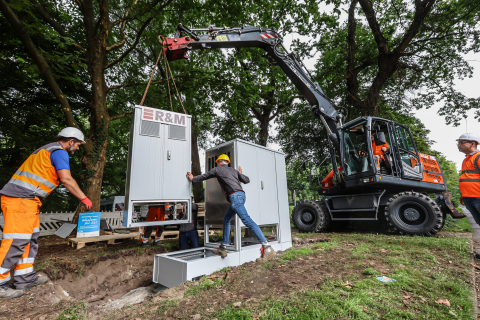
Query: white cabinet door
x,y
176,162
267,187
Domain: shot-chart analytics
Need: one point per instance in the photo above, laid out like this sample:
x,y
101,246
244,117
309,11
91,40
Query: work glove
x,y
87,203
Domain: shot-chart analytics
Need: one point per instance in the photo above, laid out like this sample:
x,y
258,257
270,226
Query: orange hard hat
x,y
223,157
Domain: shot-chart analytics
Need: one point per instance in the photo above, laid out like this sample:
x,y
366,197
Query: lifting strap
x,y
167,70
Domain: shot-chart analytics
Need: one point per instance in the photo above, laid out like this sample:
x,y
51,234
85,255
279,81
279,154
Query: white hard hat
x,y
71,132
470,136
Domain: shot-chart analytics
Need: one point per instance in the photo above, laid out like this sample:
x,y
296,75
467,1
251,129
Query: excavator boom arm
x,y
269,40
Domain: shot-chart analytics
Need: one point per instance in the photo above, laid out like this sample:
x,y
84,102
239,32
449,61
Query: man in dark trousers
x,y
188,231
229,180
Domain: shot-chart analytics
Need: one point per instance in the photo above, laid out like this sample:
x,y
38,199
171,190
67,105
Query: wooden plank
x,y
105,237
81,242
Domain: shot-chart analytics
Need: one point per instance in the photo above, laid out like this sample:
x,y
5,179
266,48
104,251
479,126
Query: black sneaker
x,y
7,292
41,279
221,251
156,243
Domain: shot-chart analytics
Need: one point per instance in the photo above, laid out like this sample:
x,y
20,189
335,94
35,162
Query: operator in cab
x,y
230,180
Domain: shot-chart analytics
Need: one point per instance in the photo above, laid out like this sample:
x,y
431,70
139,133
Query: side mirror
x,y
379,138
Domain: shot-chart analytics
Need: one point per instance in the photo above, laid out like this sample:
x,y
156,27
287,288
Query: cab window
x,y
355,148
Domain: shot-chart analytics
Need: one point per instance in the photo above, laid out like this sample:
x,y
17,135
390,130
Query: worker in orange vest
x,y
155,213
470,178
21,199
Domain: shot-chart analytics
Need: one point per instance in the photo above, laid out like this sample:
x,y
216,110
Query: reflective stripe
x,y
470,171
469,180
36,230
144,239
4,270
22,271
57,147
25,236
30,187
26,260
6,279
36,178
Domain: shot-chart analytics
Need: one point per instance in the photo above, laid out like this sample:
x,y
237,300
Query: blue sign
x,y
89,222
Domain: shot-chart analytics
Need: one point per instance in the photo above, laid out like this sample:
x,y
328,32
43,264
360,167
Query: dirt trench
x,y
96,282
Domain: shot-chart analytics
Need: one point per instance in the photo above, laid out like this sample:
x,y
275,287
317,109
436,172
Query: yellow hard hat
x,y
223,157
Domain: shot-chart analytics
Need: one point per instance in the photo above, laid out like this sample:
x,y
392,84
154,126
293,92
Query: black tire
x,y
413,213
325,225
308,216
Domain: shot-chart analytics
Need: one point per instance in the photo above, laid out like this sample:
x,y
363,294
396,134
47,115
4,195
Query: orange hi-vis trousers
x,y
154,214
20,239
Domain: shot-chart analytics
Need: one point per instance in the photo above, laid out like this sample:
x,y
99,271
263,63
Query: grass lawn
x,y
334,276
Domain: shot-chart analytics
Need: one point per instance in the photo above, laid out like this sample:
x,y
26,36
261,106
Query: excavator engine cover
x,y
176,48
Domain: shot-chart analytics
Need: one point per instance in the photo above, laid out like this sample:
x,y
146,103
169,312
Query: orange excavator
x,y
377,169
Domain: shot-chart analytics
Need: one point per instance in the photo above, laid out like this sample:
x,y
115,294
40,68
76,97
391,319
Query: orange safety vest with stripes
x,y
470,178
36,177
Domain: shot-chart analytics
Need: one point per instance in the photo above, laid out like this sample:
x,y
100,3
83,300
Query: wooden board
x,y
167,235
80,242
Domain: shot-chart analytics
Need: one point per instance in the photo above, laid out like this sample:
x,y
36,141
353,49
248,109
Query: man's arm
x,y
241,177
210,174
70,183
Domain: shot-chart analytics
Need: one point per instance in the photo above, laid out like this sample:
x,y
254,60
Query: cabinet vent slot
x,y
150,128
177,132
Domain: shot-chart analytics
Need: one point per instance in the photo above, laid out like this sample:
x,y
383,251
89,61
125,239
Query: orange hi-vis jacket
x,y
470,178
377,150
36,177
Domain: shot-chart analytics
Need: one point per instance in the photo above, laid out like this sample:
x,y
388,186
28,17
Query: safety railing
x,y
51,221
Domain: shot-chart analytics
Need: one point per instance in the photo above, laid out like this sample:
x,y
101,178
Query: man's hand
x,y
87,203
384,149
189,176
461,201
240,170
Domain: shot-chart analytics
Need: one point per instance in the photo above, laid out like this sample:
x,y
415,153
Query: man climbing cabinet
x,y
229,180
21,199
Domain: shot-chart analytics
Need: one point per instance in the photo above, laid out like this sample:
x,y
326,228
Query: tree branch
x,y
422,8
119,116
55,25
139,84
39,60
352,81
122,28
133,46
373,23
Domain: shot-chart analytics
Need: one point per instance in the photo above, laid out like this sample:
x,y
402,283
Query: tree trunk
x,y
198,190
263,134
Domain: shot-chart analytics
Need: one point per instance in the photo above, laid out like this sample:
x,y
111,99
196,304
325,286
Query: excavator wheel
x,y
309,216
413,213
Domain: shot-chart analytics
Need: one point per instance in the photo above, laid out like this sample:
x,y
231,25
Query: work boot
x,y
7,292
221,251
156,243
41,279
266,253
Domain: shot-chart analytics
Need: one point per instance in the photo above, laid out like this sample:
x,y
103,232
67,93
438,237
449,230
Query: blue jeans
x,y
473,205
184,237
237,206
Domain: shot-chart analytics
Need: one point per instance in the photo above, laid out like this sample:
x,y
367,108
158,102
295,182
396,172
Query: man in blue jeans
x,y
470,178
188,231
230,180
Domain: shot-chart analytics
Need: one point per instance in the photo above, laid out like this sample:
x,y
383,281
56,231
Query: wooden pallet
x,y
169,235
80,242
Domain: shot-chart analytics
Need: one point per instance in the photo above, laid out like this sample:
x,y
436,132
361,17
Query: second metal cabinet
x,y
262,166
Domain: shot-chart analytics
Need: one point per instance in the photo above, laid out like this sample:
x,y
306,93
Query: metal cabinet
x,y
266,194
159,157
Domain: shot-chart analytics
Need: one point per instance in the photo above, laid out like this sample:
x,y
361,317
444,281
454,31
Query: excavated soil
x,y
96,275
